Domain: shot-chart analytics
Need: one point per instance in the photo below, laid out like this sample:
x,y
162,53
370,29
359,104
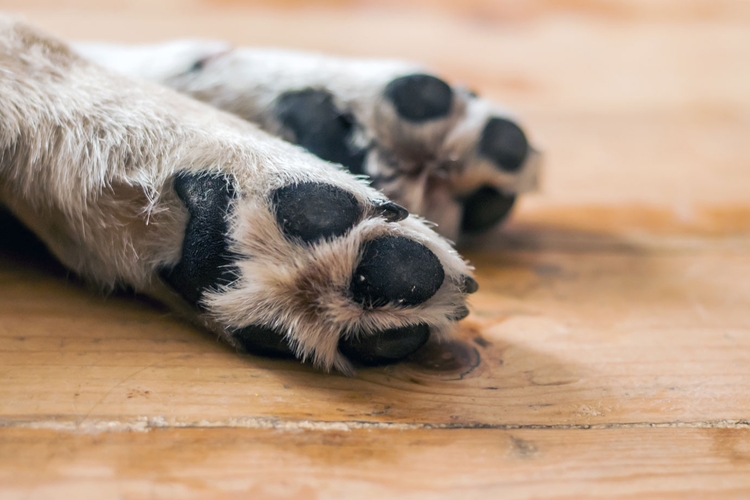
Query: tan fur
x,y
87,159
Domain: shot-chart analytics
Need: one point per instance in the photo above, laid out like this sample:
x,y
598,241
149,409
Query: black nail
x,y
392,212
469,285
459,314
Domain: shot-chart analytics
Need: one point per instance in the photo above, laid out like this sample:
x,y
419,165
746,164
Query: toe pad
x,y
313,211
485,208
263,341
396,270
385,347
420,98
504,143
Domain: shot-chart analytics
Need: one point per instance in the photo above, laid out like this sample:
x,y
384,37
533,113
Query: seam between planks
x,y
146,424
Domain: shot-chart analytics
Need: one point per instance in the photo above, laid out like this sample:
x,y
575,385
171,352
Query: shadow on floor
x,y
465,382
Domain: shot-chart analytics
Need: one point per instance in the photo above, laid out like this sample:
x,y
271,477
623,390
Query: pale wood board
x,y
328,464
608,350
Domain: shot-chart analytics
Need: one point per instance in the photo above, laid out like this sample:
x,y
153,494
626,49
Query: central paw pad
x,y
318,126
386,346
396,270
313,211
206,263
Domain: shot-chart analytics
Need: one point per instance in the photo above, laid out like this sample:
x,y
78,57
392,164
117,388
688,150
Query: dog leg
x,y
268,246
439,151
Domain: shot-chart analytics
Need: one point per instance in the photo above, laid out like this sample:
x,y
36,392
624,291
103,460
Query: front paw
x,y
321,268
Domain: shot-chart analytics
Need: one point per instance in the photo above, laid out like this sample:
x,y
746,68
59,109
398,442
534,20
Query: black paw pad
x,y
420,98
312,211
484,208
320,127
263,341
396,270
206,261
504,143
385,347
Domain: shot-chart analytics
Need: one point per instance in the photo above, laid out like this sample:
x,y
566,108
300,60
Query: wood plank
x,y
558,336
299,463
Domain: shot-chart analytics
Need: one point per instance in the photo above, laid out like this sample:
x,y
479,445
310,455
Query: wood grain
x,y
556,338
608,350
472,464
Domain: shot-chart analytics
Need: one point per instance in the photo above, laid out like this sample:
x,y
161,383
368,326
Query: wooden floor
x,y
608,350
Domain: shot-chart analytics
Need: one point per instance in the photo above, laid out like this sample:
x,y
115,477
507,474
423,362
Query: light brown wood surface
x,y
608,350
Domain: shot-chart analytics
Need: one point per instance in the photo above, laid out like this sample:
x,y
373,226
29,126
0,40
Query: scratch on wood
x,y
523,447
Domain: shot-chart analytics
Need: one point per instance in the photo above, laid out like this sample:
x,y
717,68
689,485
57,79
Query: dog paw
x,y
319,267
440,151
